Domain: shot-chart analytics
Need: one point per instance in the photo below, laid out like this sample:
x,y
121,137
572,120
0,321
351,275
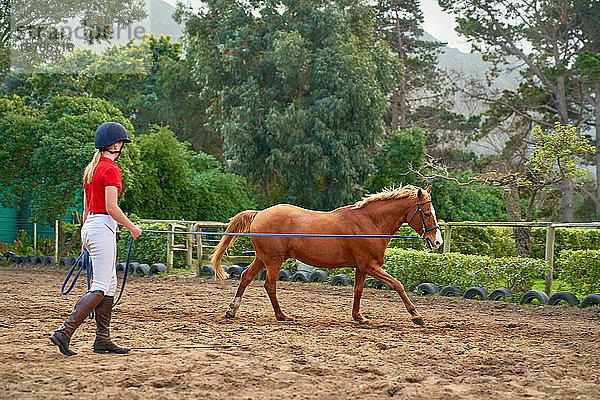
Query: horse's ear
x,y
428,189
420,193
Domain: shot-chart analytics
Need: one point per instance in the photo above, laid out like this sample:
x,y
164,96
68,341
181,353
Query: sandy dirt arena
x,y
467,349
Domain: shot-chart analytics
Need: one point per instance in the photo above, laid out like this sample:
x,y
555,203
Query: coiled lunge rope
x,y
84,261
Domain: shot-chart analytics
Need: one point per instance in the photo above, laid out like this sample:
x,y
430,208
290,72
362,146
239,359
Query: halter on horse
x,y
382,214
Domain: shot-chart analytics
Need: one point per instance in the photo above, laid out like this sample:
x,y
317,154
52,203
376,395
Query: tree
x,y
47,152
148,80
179,183
21,131
35,32
556,155
542,36
588,63
400,152
399,24
297,89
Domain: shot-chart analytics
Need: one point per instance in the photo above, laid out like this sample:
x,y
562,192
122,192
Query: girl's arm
x,y
111,194
85,207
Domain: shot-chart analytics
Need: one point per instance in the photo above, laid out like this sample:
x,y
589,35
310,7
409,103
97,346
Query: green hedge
x,y
499,242
412,267
579,270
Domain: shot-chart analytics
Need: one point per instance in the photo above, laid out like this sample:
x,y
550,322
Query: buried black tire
x,y
475,292
49,261
158,268
381,286
284,275
501,294
40,260
301,276
341,280
450,291
66,261
318,276
30,259
235,271
207,270
532,295
133,266
427,289
591,300
8,255
568,297
16,259
142,270
120,267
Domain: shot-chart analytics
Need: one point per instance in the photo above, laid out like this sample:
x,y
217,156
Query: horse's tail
x,y
238,224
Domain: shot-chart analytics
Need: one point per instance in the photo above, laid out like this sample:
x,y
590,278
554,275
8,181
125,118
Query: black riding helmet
x,y
110,133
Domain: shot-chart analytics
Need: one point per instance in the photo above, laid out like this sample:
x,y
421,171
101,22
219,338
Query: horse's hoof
x,y
283,318
229,314
418,321
361,320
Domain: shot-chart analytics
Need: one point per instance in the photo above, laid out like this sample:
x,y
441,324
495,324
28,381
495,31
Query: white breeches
x,y
99,237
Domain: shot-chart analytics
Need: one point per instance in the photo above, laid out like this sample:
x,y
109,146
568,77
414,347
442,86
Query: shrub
x,y
499,241
579,270
413,267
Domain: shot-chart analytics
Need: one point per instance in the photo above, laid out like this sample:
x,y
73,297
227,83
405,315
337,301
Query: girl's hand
x,y
136,231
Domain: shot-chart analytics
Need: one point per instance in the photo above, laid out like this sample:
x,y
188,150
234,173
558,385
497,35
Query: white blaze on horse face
x,y
438,232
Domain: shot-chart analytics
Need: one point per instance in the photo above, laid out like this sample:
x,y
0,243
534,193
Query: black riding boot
x,y
84,306
103,344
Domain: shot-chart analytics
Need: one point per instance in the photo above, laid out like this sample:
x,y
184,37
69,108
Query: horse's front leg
x,y
377,272
359,285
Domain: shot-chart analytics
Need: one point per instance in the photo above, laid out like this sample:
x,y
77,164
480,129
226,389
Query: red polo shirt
x,y
106,173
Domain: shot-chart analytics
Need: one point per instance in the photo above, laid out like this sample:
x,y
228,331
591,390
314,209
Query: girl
x,y
102,186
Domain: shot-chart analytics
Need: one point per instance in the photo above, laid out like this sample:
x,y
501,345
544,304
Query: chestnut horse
x,y
379,214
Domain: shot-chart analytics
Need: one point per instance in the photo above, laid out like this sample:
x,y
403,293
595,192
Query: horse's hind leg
x,y
359,285
377,272
245,280
271,288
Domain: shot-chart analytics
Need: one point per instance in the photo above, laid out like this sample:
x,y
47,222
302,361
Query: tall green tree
x,y
298,91
588,63
34,32
398,22
177,183
400,154
45,153
148,80
556,155
545,37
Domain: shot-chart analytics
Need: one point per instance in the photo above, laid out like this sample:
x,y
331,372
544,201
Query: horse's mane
x,y
387,194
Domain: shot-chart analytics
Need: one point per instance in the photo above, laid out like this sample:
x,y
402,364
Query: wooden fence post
x,y
447,238
56,240
550,236
189,246
198,243
170,243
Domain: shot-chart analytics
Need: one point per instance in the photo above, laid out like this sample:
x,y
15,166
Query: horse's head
x,y
423,220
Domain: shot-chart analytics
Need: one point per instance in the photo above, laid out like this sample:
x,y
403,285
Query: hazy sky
x,y
441,26
437,23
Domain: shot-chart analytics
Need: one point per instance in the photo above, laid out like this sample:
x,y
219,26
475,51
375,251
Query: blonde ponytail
x,y
89,170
